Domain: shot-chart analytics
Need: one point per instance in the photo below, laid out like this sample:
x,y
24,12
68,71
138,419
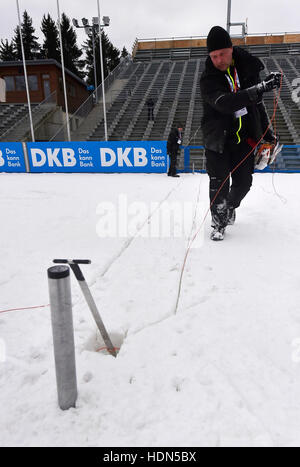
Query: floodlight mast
x,y
229,24
102,71
228,15
63,72
96,28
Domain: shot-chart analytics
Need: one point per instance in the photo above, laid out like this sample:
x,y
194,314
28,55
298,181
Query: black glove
x,y
272,81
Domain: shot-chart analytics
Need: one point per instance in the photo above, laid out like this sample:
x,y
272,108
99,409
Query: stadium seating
x,y
10,114
176,54
171,77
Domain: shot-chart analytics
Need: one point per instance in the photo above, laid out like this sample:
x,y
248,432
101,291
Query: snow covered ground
x,y
223,371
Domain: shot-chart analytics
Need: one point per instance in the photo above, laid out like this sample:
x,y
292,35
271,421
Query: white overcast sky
x,y
160,18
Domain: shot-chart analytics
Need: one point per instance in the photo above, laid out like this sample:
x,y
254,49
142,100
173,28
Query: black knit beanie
x,y
218,39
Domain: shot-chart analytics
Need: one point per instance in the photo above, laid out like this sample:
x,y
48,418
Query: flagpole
x,y
63,73
102,73
25,74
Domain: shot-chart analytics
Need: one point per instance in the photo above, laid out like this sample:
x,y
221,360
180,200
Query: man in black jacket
x,y
234,120
150,104
174,141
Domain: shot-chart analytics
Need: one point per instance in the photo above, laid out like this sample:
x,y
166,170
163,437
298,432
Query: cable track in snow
x,y
129,241
190,241
173,313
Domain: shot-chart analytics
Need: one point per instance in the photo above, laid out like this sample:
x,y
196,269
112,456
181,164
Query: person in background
x,y
174,141
150,104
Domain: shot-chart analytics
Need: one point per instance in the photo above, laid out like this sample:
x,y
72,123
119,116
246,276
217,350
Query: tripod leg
x,y
93,307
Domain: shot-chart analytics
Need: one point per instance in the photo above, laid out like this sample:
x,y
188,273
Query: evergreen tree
x,y
7,51
111,57
50,47
31,46
124,52
71,51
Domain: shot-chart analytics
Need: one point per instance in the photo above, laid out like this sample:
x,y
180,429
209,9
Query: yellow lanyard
x,y
234,89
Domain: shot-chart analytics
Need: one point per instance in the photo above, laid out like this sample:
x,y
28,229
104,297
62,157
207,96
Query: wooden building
x,y
44,77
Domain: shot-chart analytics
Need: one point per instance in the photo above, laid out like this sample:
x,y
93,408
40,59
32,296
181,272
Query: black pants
x,y
173,163
219,166
150,113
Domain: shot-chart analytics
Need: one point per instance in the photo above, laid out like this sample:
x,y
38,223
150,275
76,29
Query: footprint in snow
x,y
88,376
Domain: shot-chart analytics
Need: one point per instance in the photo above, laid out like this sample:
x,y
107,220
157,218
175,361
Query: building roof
x,y
45,61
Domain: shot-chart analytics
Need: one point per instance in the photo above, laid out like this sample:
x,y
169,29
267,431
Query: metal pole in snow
x,y
74,264
63,335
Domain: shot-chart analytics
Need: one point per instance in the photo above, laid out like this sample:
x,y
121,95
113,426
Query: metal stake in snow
x,y
63,335
74,264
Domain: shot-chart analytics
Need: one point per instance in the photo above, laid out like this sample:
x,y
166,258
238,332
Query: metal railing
x,y
253,34
287,161
95,98
37,112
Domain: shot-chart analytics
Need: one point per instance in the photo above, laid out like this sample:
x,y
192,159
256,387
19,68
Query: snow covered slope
x,y
223,371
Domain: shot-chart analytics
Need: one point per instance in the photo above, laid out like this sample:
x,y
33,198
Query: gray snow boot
x,y
217,234
231,216
219,221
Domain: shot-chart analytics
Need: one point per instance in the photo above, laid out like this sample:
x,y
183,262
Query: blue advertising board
x,y
12,157
115,156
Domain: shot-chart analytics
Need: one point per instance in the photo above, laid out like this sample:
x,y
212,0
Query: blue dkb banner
x,y
116,156
12,157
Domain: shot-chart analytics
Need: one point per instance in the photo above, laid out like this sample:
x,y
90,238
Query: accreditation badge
x,y
241,112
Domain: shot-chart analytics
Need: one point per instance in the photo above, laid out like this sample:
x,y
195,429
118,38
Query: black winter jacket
x,y
172,145
220,103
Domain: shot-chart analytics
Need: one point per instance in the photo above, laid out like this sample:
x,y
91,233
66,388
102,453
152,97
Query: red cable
x,y
27,308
